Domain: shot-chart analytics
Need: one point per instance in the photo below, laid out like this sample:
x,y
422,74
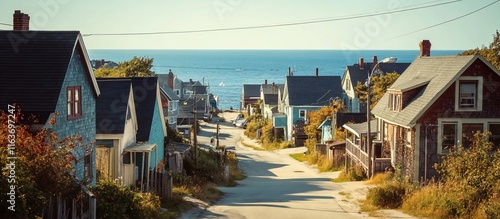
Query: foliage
x,y
299,157
490,53
117,201
174,136
380,84
340,134
136,67
354,173
469,187
43,167
388,195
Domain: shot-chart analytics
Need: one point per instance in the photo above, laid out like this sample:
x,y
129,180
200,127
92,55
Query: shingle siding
x,y
85,126
156,136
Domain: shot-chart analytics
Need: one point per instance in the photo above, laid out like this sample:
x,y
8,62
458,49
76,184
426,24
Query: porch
x,y
360,156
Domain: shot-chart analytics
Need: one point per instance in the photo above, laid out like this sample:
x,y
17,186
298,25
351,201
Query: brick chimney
x,y
375,61
170,78
425,48
361,64
21,21
317,72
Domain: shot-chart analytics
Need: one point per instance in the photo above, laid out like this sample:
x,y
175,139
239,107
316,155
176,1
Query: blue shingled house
x,y
48,74
303,94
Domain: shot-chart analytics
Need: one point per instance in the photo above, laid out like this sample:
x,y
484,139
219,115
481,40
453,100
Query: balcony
x,y
360,156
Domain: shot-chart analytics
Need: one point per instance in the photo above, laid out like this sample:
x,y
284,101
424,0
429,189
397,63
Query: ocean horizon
x,y
225,71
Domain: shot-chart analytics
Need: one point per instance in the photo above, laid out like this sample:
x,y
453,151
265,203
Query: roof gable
x,y
112,106
33,66
440,72
251,90
361,75
312,90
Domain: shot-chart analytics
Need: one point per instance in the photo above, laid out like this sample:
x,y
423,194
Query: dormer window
x,y
395,102
468,94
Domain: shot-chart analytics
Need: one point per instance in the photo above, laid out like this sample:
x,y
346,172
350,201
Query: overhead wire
x,y
275,25
445,22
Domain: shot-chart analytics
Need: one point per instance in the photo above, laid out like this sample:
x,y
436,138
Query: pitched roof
x,y
362,128
358,75
145,99
33,69
251,90
313,90
272,88
169,93
271,99
434,75
111,106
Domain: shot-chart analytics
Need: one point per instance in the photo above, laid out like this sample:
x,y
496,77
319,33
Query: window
x,y
176,91
88,165
395,103
468,94
74,102
449,137
302,114
494,128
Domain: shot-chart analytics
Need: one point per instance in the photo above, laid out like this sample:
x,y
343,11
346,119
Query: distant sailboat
x,y
221,84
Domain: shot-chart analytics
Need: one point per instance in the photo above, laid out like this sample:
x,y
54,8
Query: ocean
x,y
225,71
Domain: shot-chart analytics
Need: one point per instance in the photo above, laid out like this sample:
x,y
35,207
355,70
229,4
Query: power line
x,y
444,22
6,24
275,25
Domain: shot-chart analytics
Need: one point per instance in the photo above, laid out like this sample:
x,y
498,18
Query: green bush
x,y
117,201
388,195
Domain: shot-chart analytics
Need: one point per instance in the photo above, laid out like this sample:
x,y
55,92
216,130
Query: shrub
x,y
388,195
354,173
117,201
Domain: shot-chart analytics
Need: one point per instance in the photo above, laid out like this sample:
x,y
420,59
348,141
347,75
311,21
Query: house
x,y
435,104
189,93
250,95
48,74
339,119
359,73
269,94
357,150
116,130
150,148
302,94
170,105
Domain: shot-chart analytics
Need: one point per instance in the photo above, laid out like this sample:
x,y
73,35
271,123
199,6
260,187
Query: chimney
x,y
425,48
265,81
317,72
190,81
361,64
21,21
170,79
375,61
289,71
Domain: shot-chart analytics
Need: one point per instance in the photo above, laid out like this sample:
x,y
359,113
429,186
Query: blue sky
x,y
386,31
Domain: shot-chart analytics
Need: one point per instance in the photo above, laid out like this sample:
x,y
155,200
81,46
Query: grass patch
x,y
379,178
299,157
355,173
251,146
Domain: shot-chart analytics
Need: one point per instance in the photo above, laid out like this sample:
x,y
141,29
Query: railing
x,y
361,157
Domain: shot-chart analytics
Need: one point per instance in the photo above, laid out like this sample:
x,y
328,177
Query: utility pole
x,y
195,132
217,145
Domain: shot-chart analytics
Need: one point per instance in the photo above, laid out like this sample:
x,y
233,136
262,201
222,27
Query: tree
x,y
136,67
380,84
42,168
315,118
490,53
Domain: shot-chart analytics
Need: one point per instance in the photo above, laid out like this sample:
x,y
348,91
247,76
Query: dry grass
x,y
299,157
379,179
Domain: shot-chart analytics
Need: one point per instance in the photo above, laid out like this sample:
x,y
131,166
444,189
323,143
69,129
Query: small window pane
x,y
70,94
77,95
494,128
449,136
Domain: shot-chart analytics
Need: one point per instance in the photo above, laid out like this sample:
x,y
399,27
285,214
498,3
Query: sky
x,y
353,24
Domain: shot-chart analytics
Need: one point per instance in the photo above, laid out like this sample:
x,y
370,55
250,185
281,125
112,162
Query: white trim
x,y
460,122
305,114
479,104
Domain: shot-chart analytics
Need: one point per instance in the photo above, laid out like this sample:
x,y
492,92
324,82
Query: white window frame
x,y
479,94
460,122
177,91
305,114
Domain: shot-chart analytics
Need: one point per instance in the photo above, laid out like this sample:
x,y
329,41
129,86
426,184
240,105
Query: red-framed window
x,y
74,102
